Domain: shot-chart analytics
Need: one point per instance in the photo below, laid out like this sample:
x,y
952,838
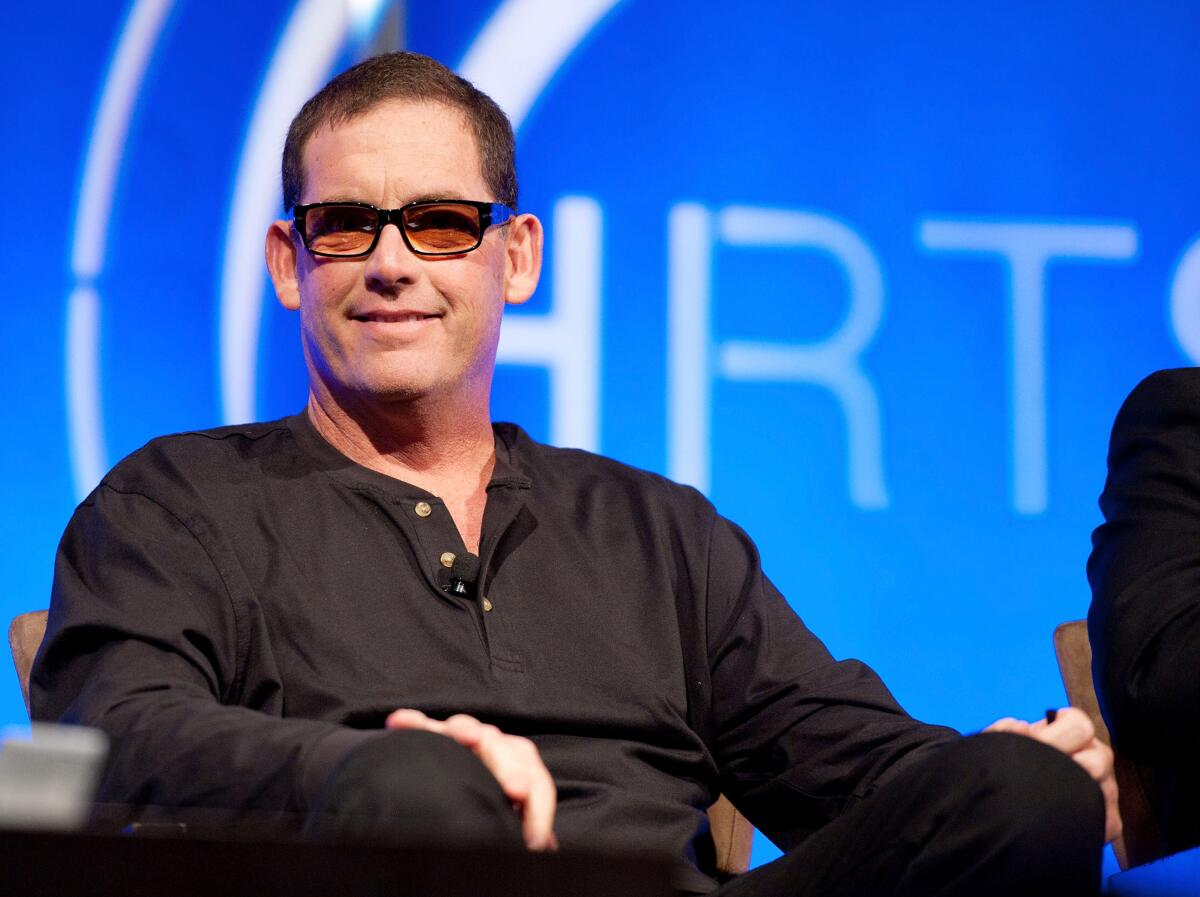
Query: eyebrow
x,y
438,194
426,196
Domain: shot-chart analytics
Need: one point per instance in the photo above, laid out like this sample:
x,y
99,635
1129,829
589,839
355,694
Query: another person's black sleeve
x,y
147,642
1144,570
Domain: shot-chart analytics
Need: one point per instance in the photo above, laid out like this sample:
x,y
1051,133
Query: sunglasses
x,y
428,226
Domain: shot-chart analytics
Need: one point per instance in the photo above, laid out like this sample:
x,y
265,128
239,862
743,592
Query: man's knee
x,y
414,786
1021,786
1024,814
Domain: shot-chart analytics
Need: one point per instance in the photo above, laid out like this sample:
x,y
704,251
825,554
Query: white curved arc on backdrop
x,y
85,429
122,85
106,144
311,42
1185,301
523,45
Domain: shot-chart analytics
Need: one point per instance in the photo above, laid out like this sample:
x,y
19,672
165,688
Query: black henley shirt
x,y
240,607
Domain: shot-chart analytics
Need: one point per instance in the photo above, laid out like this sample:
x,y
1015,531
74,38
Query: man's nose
x,y
392,261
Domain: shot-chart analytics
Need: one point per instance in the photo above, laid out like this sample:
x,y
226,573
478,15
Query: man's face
x,y
395,325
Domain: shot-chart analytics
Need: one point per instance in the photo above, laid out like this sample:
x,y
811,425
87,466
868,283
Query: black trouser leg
x,y
417,787
994,814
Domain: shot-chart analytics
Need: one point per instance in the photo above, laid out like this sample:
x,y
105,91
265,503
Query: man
x,y
401,620
1144,621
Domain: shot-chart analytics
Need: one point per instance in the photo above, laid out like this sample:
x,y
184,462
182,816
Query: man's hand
x,y
514,761
1073,734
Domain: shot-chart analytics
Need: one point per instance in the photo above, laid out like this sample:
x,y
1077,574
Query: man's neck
x,y
449,452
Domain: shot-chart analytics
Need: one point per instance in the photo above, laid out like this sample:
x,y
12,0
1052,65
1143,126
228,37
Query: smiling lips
x,y
396,328
394,317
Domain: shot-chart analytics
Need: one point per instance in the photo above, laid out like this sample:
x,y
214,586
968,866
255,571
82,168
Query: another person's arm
x,y
1144,571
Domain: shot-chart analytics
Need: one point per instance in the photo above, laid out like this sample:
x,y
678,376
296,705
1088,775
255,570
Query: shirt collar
x,y
508,472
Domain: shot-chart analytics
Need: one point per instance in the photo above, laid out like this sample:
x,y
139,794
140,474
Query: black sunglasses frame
x,y
491,214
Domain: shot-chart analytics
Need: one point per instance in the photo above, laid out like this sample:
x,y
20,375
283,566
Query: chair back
x,y
1142,840
25,637
732,835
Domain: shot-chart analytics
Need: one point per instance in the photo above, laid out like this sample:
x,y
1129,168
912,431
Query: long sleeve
x,y
239,608
1144,571
799,736
146,641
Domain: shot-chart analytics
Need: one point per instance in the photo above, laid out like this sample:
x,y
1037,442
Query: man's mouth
x,y
394,317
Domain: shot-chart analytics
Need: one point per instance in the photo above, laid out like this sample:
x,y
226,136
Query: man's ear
x,y
523,258
281,262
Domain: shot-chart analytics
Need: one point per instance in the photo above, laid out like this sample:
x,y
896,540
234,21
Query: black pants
x,y
993,814
415,787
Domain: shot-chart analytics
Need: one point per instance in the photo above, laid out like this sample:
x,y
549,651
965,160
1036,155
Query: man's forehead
x,y
405,107
416,138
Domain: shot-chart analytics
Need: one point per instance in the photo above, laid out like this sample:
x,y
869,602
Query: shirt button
x,y
487,605
423,509
447,557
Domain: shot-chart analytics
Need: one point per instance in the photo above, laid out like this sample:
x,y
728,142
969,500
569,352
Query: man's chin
x,y
385,389
391,391
393,394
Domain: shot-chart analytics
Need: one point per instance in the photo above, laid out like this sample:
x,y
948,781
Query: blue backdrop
x,y
875,276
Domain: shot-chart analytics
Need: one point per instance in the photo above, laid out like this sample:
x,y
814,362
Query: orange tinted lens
x,y
442,227
340,230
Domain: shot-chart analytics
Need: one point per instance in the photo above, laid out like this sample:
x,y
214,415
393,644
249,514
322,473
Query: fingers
x,y
540,805
513,761
412,719
518,767
526,782
470,732
1071,730
1097,760
1113,825
1008,724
